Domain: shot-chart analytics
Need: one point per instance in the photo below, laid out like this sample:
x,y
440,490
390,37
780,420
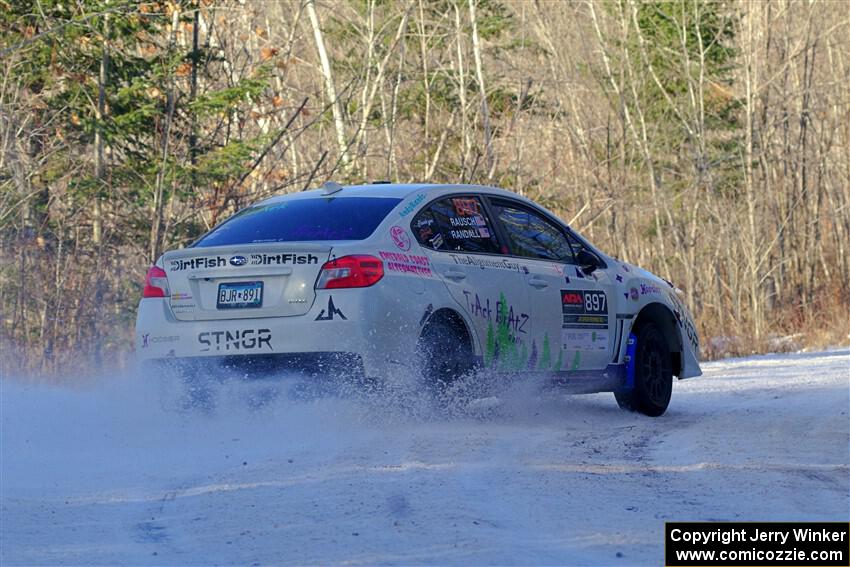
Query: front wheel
x,y
653,383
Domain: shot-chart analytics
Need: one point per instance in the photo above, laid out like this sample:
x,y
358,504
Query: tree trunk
x,y
100,114
479,73
330,89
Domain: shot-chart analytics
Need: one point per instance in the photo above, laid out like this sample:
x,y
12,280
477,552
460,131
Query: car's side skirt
x,y
612,378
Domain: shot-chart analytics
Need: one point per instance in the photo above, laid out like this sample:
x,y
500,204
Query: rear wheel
x,y
653,375
445,354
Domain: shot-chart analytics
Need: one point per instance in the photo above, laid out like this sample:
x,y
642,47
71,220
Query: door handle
x,y
539,283
456,275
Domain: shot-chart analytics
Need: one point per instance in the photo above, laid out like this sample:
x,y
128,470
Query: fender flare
x,y
663,317
455,317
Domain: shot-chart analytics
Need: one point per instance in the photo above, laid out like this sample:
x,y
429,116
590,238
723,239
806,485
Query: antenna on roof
x,y
329,188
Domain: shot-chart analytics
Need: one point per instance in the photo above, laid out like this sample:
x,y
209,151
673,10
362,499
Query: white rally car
x,y
438,280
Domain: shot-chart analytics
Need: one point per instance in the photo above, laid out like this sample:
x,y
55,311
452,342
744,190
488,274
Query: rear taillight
x,y
156,283
357,270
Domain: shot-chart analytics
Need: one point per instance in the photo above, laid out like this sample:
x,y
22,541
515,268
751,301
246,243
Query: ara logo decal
x,y
572,297
238,260
331,312
145,339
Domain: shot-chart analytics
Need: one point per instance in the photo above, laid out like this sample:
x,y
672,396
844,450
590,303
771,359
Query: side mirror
x,y
587,261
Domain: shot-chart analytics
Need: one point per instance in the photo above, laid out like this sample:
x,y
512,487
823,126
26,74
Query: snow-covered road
x,y
104,474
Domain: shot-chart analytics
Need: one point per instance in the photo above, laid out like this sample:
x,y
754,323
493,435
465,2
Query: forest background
x,y
706,141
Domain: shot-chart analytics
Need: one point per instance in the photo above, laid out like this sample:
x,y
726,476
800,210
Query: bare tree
x,y
330,89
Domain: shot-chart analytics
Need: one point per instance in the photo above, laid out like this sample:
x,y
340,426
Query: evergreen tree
x,y
490,350
546,357
532,358
576,361
559,362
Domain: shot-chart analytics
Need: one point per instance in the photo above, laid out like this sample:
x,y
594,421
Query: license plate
x,y
240,295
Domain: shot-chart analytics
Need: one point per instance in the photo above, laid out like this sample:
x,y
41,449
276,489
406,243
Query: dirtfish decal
x,y
208,262
283,259
195,263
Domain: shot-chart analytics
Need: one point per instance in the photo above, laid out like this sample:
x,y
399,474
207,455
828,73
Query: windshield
x,y
335,218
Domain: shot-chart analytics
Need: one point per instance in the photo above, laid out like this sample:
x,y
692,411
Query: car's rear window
x,y
335,218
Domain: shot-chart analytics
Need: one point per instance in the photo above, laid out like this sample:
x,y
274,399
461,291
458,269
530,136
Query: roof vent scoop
x,y
329,188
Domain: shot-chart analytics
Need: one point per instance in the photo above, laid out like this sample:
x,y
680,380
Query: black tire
x,y
653,375
445,354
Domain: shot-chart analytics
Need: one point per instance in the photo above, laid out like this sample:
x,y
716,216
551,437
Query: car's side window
x,y
458,224
531,235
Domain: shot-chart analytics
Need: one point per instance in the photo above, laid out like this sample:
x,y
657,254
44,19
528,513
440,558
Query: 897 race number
x,y
584,301
595,302
584,309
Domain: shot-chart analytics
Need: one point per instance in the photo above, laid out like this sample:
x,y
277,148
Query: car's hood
x,y
641,273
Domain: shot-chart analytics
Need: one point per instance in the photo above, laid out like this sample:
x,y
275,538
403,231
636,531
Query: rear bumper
x,y
356,328
331,364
